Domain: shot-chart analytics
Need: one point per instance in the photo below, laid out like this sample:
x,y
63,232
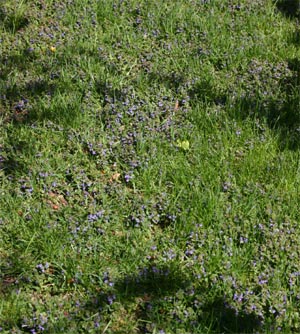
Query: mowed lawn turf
x,y
149,166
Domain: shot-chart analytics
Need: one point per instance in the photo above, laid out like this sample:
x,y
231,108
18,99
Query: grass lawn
x,y
149,166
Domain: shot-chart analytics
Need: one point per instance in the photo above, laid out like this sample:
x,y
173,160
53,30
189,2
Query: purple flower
x,y
111,299
155,270
262,280
96,216
128,177
243,240
238,297
40,268
189,252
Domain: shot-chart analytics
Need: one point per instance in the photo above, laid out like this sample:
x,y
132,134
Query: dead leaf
x,y
9,280
115,177
56,201
118,233
176,107
147,297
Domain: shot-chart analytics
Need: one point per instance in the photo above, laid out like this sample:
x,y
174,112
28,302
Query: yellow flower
x,y
185,145
52,48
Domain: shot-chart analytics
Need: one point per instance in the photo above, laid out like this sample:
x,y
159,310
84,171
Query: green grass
x,y
149,166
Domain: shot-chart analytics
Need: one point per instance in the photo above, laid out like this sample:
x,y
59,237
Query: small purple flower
x,y
243,240
262,280
92,218
111,299
40,268
189,252
238,297
226,186
96,216
155,270
170,254
128,177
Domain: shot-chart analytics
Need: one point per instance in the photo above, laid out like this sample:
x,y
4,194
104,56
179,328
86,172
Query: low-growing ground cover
x,y
149,166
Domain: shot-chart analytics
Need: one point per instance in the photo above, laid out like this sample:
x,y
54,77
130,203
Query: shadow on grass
x,y
13,20
154,287
281,112
290,8
294,39
108,93
11,162
206,92
171,80
40,101
222,318
13,273
11,166
42,97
